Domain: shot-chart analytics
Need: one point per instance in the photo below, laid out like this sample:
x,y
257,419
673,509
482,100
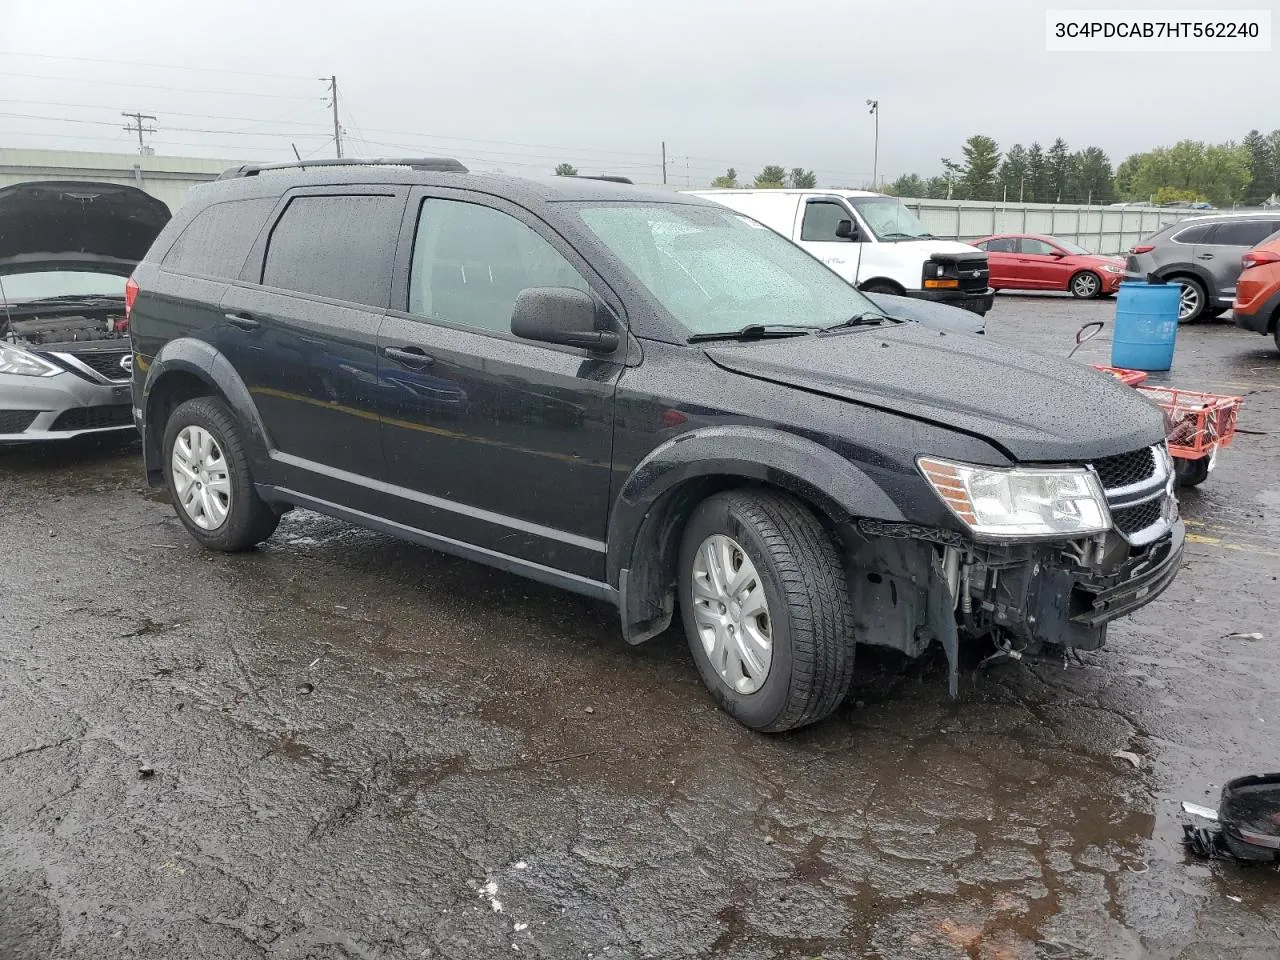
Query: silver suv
x,y
1202,254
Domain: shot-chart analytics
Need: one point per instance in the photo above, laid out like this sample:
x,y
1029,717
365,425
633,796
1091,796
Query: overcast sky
x,y
522,84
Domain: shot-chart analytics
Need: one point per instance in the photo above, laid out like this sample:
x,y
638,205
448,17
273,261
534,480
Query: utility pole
x,y
874,110
333,101
664,162
139,129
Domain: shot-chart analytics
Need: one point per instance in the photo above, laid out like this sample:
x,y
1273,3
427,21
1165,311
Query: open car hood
x,y
75,225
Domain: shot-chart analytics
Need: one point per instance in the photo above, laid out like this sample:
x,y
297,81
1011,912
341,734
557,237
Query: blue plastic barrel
x,y
1146,325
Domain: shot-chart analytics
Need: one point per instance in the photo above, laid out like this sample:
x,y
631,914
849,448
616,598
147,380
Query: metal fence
x,y
1098,229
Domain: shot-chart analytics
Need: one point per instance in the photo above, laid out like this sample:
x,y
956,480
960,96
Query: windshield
x,y
717,271
889,219
21,287
1072,248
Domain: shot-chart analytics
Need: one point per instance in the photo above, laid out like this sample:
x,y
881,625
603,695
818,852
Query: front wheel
x,y
1191,473
1086,285
206,471
766,609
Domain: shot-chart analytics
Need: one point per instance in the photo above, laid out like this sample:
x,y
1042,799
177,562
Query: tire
x,y
1191,473
808,618
882,286
1191,308
1085,285
245,520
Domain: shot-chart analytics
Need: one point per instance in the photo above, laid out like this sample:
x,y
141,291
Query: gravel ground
x,y
343,746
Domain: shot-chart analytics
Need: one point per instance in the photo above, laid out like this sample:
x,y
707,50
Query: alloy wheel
x,y
732,614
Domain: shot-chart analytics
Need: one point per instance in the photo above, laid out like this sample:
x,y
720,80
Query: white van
x,y
871,240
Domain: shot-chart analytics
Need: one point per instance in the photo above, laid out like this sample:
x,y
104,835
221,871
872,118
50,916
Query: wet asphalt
x,y
344,746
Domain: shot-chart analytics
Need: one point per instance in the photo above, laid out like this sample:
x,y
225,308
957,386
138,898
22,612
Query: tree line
x,y
1223,174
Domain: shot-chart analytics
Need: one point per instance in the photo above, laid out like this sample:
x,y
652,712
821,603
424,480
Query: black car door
x,y
498,442
301,330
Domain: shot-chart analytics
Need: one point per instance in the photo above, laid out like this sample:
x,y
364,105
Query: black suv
x,y
646,398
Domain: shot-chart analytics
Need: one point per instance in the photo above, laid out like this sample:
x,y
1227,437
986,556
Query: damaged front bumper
x,y
912,586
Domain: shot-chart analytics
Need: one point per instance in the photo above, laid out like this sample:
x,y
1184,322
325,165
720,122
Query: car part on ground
x,y
65,356
1203,255
1257,303
649,400
1245,826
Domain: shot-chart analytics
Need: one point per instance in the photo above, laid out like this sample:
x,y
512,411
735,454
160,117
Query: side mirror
x,y
560,315
1058,255
845,230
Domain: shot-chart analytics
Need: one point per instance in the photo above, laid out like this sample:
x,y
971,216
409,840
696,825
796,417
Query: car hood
x,y
71,225
1031,407
939,316
929,247
1099,259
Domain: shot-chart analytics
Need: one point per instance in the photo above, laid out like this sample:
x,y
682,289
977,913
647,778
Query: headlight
x,y
23,364
1111,268
1022,501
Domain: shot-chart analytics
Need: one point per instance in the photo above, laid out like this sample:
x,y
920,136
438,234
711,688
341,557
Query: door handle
x,y
1204,256
409,356
242,321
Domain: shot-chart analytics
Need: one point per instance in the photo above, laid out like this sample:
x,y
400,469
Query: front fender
x,y
645,522
200,359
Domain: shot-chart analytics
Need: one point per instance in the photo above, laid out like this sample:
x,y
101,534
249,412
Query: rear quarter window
x,y
217,240
339,247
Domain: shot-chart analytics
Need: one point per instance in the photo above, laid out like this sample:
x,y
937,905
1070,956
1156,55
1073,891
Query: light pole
x,y
874,110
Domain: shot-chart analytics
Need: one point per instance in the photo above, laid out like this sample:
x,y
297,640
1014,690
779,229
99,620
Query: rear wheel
x,y
766,609
1086,285
1192,302
206,471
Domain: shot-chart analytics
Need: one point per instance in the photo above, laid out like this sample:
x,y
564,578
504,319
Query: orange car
x,y
1257,303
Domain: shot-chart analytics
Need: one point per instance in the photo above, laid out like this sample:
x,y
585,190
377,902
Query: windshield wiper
x,y
907,236
861,320
754,331
71,298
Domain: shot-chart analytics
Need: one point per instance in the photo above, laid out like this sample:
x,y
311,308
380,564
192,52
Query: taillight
x,y
1255,258
130,295
1142,248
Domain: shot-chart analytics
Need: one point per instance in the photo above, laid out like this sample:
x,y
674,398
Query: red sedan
x,y
1024,261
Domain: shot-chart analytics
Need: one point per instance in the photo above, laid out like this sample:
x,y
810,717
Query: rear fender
x,y
649,513
201,360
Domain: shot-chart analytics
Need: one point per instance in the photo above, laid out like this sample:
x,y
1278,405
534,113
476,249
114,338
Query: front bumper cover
x,y
60,407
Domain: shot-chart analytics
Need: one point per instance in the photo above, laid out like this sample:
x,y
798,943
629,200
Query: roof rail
x,y
604,176
436,164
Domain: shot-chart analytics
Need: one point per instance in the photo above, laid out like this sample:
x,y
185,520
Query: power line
x,y
151,86
110,123
171,113
158,66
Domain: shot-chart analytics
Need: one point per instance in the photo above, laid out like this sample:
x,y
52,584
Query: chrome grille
x,y
1126,469
94,365
1138,490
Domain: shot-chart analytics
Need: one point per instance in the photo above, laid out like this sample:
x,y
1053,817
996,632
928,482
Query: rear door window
x,y
339,247
1001,245
217,240
1244,233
